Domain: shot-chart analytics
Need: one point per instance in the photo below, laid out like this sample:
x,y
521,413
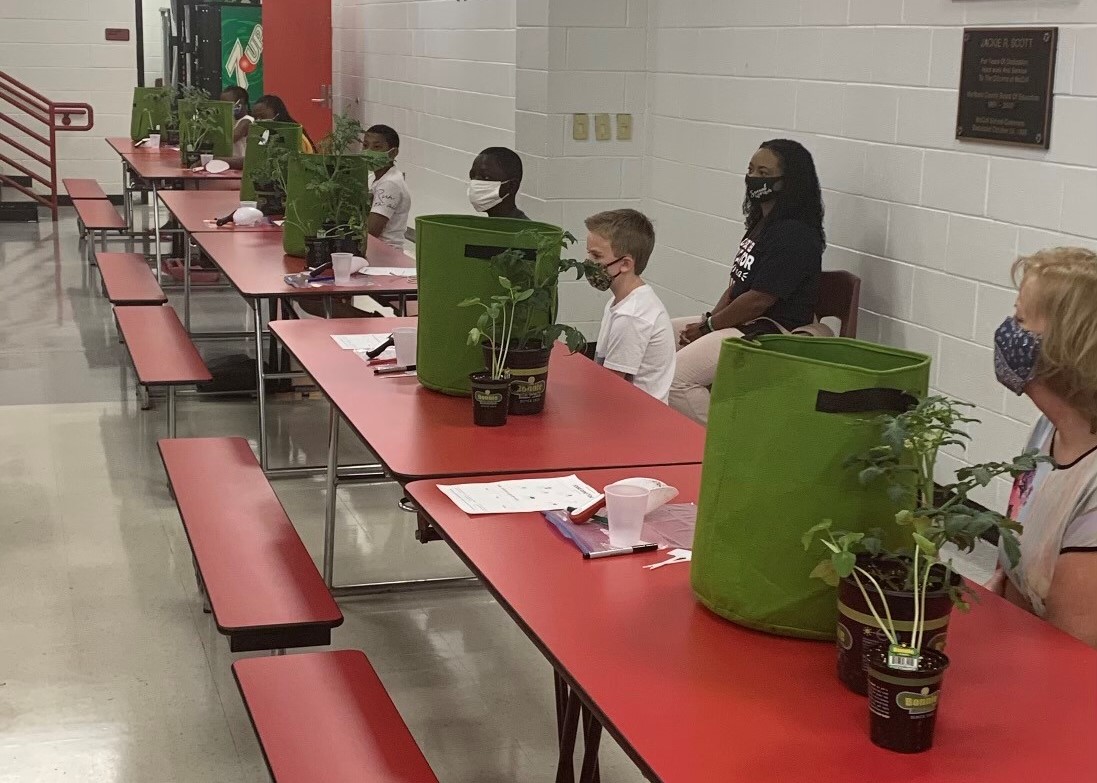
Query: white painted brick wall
x,y
57,48
932,225
442,73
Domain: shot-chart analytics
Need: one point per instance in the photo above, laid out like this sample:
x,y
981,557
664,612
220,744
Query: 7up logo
x,y
244,58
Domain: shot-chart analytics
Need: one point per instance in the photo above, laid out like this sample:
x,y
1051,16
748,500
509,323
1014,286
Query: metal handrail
x,y
37,107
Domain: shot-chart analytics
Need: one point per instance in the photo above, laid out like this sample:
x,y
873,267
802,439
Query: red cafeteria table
x,y
694,698
255,265
592,419
157,166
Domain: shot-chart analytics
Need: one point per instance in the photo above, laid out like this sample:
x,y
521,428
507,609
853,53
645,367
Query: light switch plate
x,y
624,127
602,130
580,127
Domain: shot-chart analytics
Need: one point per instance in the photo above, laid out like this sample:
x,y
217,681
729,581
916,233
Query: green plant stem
x,y
889,629
917,606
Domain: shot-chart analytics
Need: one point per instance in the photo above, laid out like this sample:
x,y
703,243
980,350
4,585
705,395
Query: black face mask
x,y
762,189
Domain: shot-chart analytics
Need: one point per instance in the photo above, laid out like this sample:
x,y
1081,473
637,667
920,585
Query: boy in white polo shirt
x,y
388,217
636,339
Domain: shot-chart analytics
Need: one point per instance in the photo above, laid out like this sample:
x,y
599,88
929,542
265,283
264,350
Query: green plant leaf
x,y
844,563
469,302
870,474
809,536
825,571
927,546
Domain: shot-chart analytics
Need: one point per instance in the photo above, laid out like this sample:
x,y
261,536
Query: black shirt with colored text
x,y
785,260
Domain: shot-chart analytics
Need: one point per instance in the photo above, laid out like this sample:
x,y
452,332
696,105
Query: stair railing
x,y
37,110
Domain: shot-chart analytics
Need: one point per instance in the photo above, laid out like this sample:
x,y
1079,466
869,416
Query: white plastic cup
x,y
405,339
205,158
341,265
154,141
626,506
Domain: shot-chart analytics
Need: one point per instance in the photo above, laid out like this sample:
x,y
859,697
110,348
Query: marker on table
x,y
628,550
393,370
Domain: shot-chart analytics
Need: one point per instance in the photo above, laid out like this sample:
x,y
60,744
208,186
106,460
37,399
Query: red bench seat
x,y
327,717
98,214
83,188
128,280
263,587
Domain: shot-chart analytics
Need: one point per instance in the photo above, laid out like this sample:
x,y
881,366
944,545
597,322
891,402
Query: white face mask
x,y
483,195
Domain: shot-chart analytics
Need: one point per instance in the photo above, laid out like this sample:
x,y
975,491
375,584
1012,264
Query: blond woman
x,y
1048,351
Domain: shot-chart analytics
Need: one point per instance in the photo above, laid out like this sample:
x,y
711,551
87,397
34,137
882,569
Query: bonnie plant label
x,y
903,658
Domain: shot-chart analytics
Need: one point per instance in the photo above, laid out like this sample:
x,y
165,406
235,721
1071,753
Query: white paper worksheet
x,y
360,342
521,495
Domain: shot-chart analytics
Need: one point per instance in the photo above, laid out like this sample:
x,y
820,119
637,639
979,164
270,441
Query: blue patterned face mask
x,y
1016,351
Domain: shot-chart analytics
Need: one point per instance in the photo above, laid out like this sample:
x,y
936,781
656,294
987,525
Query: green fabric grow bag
x,y
282,134
452,257
786,413
151,110
304,208
221,137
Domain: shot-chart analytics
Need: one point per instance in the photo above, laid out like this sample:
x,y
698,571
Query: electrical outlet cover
x,y
624,127
602,130
580,127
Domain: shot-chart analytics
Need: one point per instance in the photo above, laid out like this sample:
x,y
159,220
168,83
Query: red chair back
x,y
839,297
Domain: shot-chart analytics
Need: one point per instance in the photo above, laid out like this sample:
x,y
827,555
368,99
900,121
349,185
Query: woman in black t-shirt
x,y
775,275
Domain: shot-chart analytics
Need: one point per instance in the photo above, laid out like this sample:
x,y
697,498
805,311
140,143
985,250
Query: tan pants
x,y
695,370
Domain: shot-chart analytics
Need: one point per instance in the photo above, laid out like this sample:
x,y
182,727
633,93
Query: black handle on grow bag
x,y
878,400
488,252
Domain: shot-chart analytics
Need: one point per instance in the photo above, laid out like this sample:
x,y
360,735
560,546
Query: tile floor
x,y
109,670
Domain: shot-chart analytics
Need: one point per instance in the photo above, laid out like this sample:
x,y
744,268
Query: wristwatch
x,y
706,324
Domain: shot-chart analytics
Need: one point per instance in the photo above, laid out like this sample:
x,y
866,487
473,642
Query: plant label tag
x,y
903,658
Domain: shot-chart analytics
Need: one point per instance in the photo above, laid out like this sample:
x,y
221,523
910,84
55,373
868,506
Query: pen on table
x,y
393,370
628,550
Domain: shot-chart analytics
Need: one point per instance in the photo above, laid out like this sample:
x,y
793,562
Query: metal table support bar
x,y
330,504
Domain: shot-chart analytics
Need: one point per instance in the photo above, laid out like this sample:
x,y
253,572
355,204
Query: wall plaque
x,y
1006,81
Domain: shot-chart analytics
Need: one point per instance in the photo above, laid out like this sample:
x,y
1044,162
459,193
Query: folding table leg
x,y
332,487
127,197
569,728
156,230
592,738
186,282
260,391
171,411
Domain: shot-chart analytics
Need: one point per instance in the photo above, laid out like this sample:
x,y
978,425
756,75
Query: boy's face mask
x,y
485,194
237,110
598,275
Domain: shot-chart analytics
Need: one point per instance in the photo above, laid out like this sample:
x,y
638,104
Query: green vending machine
x,y
228,47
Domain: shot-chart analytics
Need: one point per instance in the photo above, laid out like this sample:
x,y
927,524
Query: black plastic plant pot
x,y
490,399
858,633
903,704
270,199
346,245
170,137
190,156
528,378
317,251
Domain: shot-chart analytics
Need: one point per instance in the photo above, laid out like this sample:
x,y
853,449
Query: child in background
x,y
636,338
388,217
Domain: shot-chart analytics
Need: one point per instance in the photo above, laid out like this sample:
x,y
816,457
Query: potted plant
x,y
338,190
494,329
201,122
269,179
896,594
535,331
